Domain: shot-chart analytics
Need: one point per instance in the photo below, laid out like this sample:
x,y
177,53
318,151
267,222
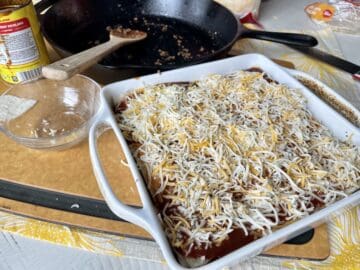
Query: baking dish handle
x,y
142,217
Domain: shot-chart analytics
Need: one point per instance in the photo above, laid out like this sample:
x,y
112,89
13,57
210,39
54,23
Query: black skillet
x,y
180,32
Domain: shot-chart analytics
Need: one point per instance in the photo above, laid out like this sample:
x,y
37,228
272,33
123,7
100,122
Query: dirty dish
x,y
59,113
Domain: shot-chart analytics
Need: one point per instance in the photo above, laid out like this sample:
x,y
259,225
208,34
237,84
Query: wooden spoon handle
x,y
67,67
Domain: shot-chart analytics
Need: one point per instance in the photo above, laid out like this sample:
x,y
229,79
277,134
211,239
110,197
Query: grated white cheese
x,y
234,152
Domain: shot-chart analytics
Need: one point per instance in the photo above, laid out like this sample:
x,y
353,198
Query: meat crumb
x,y
125,32
164,28
158,62
185,54
163,53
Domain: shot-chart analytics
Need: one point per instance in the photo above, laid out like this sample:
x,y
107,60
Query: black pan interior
x,y
180,32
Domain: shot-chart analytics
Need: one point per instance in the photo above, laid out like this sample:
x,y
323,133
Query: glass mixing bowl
x,y
61,114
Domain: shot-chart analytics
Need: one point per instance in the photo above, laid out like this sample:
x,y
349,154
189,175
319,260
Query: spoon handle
x,y
67,67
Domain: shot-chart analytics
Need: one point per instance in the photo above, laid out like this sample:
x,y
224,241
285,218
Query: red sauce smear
x,y
317,203
259,70
235,240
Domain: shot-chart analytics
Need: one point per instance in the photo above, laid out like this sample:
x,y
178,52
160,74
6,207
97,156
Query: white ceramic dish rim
x,y
146,216
339,99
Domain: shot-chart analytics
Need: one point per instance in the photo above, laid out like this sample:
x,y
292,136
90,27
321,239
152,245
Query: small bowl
x,y
61,116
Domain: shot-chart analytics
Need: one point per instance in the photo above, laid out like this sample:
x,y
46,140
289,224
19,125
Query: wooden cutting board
x,y
59,187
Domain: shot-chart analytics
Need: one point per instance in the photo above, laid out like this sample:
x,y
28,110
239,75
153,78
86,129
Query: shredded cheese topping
x,y
234,152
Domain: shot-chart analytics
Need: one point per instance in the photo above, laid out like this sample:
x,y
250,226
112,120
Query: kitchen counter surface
x,y
18,252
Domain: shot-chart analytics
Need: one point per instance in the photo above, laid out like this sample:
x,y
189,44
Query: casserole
x,y
147,217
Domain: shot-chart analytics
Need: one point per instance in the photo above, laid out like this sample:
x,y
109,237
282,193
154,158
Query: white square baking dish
x,y
147,218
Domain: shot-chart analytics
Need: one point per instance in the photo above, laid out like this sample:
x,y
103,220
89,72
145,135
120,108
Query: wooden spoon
x,y
67,67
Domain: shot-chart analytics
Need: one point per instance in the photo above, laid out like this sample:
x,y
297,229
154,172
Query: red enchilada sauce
x,y
235,240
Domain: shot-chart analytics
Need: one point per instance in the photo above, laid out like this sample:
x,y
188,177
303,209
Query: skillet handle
x,y
142,217
284,38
